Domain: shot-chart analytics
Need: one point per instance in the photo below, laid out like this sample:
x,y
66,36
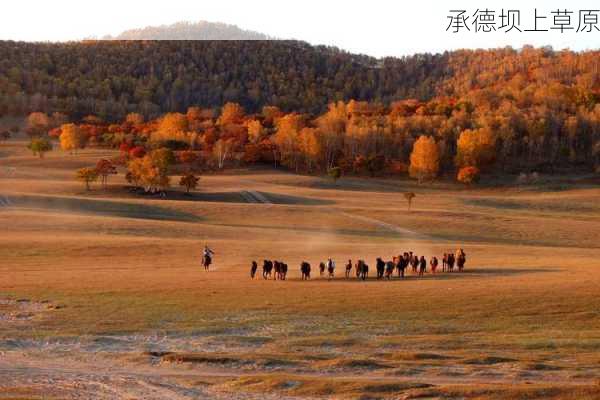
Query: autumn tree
x,y
104,168
39,146
468,175
222,150
309,147
256,131
134,119
71,138
188,157
189,181
162,159
37,124
136,152
149,172
286,138
231,113
87,175
332,126
424,159
475,147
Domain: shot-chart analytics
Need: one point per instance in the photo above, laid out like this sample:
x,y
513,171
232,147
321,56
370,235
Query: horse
x,y
400,265
305,269
414,262
330,270
444,262
275,269
460,261
348,268
451,261
389,269
363,270
321,268
434,264
206,261
267,268
253,269
422,265
283,268
380,266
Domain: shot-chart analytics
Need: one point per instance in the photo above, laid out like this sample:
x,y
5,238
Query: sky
x,y
374,27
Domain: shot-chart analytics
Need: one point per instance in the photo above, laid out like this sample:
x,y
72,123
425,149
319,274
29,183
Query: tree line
x,y
113,78
482,111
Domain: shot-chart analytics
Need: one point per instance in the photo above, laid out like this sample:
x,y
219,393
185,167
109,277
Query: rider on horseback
x,y
207,256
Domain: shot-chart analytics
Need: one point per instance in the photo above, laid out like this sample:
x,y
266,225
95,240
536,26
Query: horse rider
x,y
207,253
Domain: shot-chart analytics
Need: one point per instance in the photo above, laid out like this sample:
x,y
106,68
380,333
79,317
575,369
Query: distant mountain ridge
x,y
201,30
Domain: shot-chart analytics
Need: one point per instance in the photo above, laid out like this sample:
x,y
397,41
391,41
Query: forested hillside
x,y
315,108
111,78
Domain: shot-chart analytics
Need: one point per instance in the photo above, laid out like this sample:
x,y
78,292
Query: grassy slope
x,y
530,293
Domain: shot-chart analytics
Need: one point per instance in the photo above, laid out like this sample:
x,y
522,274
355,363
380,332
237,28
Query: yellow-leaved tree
x,y
72,138
475,148
424,159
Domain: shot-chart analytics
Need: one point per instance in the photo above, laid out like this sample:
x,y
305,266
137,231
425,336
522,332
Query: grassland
x,y
102,295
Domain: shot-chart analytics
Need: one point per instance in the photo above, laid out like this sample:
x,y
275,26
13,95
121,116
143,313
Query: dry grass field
x,y
102,295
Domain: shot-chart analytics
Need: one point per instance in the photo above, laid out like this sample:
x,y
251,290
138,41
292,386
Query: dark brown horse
x,y
206,261
283,268
305,269
380,267
321,268
450,262
348,268
362,270
422,266
460,261
267,268
253,269
389,269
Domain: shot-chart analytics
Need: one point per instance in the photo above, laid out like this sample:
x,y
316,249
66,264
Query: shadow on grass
x,y
466,274
101,207
230,197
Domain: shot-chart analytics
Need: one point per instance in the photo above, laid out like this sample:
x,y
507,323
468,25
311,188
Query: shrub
x,y
468,175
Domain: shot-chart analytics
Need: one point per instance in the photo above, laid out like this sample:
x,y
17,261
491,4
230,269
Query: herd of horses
x,y
278,270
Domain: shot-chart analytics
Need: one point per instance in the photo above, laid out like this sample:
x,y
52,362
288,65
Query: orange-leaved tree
x,y
468,175
475,147
71,138
424,159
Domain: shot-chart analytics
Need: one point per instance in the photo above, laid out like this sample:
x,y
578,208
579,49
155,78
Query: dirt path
x,y
98,379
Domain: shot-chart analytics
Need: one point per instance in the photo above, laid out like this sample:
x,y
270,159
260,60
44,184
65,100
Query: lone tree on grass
x,y
39,146
189,181
409,196
104,168
335,173
87,175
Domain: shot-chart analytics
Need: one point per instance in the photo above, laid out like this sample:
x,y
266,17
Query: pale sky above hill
x,y
374,27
